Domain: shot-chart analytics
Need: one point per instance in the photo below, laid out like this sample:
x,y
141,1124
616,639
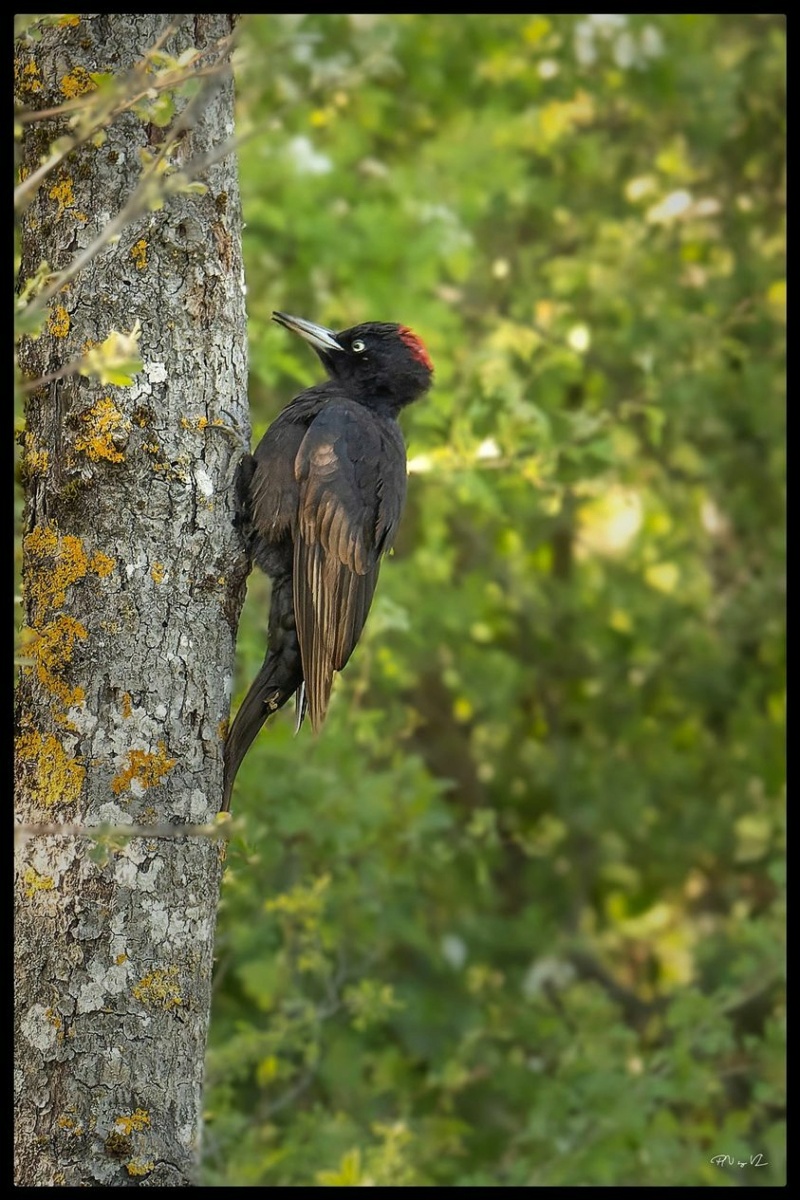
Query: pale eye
x,y
358,347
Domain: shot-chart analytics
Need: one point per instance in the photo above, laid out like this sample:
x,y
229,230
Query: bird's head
x,y
380,365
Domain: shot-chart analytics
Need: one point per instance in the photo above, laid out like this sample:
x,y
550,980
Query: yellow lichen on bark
x,y
54,562
134,1167
135,1122
34,882
157,572
104,423
51,652
77,83
101,564
70,1125
146,768
56,1022
56,778
58,322
28,79
159,989
138,253
37,459
62,193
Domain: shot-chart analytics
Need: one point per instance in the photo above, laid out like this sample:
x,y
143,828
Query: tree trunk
x,y
133,580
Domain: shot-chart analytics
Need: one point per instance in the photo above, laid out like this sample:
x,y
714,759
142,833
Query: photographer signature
x,y
727,1160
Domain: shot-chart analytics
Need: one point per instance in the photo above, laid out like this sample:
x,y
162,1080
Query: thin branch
x,y
635,1010
301,1085
137,204
219,831
169,80
140,199
71,368
27,116
173,80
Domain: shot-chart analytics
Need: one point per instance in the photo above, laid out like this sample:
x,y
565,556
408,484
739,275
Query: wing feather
x,y
350,470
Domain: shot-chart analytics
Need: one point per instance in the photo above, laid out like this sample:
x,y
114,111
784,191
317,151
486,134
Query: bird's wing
x,y
273,488
351,473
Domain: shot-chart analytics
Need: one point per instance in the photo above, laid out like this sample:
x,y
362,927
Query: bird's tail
x,y
268,692
301,704
281,675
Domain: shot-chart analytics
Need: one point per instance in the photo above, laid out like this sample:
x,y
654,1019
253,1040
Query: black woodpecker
x,y
323,495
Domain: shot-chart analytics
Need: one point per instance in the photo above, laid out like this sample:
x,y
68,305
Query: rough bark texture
x,y
134,574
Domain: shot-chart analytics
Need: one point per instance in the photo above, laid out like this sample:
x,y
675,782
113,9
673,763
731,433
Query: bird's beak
x,y
323,340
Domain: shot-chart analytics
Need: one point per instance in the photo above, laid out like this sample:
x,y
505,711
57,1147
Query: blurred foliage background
x,y
516,917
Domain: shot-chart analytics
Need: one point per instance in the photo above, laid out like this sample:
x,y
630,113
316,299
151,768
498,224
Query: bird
x,y
322,496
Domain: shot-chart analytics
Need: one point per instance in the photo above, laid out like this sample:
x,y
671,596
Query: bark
x,y
133,579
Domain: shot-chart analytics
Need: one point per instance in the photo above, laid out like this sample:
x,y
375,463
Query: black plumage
x,y
323,495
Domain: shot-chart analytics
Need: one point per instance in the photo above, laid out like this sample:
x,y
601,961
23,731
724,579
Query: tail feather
x,y
301,704
281,675
266,695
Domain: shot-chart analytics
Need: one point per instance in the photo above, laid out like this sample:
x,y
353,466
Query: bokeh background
x,y
516,917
